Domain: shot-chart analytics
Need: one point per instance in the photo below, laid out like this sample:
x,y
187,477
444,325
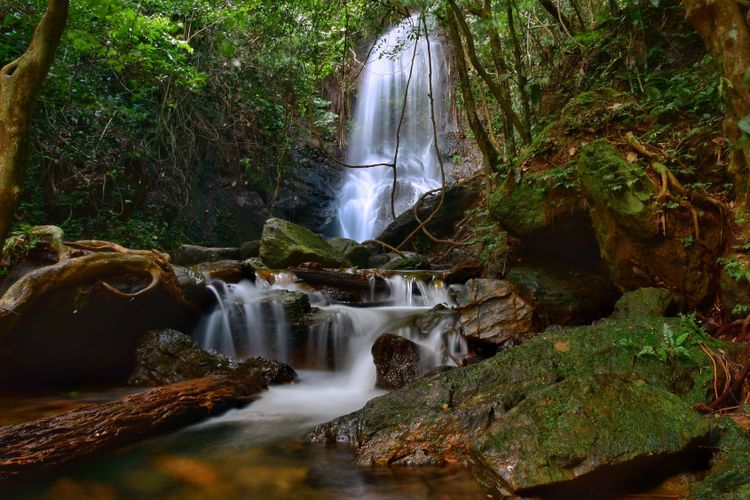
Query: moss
x,y
730,475
645,302
519,208
284,244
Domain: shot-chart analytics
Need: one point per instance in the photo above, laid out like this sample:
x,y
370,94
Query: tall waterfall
x,y
365,201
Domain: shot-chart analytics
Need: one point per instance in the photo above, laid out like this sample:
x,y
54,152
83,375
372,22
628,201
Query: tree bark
x,y
92,429
20,83
725,32
497,92
557,14
489,153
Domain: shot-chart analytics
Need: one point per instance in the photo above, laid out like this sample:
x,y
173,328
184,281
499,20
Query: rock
x,y
462,271
398,361
296,304
560,404
194,287
634,244
728,478
188,255
586,424
250,249
493,311
646,302
564,296
228,271
406,262
458,198
285,244
357,254
31,447
168,356
343,286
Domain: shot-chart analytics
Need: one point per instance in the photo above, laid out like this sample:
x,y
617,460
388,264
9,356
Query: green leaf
x,y
744,124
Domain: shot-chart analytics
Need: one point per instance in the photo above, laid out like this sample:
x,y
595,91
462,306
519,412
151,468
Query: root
x,y
105,261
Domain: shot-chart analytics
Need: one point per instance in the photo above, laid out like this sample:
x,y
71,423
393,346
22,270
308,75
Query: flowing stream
x,y
365,200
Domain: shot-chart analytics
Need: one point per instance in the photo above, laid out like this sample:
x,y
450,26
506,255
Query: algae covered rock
x,y
168,356
357,254
573,380
646,302
645,243
285,244
493,311
583,424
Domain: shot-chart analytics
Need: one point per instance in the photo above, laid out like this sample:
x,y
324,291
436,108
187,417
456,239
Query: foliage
x,y
671,344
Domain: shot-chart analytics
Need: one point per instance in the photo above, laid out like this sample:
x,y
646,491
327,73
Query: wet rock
x,y
285,244
194,287
296,304
463,271
646,302
398,361
630,229
357,254
250,249
168,356
228,271
600,411
458,197
188,255
564,296
395,262
493,311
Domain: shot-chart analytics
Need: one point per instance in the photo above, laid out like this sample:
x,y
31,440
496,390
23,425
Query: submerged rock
x,y
168,356
188,255
284,244
560,406
646,302
357,254
398,361
493,311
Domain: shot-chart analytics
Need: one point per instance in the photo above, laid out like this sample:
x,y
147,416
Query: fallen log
x,y
82,432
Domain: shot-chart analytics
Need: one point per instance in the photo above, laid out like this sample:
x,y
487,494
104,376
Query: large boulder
x,y
188,255
728,478
560,409
493,311
285,244
398,361
564,296
168,356
642,242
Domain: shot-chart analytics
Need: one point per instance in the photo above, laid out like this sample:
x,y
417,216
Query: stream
x,y
258,451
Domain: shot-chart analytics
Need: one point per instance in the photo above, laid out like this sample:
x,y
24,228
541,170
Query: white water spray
x,y
365,200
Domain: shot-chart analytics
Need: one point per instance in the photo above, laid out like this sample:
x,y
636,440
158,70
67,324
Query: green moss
x,y
284,244
730,475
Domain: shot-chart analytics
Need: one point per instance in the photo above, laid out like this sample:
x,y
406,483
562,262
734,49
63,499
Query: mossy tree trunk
x,y
724,27
20,83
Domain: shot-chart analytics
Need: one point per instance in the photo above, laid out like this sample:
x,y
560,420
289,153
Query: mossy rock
x,y
646,302
730,472
285,244
572,428
564,296
642,244
445,417
357,254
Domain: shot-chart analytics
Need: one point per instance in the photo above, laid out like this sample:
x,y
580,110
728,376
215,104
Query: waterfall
x,y
365,200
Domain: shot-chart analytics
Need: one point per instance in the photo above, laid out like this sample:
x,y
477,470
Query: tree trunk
x,y
557,14
20,83
489,153
92,429
725,32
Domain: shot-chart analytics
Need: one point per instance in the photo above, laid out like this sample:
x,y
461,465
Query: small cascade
x,y
365,198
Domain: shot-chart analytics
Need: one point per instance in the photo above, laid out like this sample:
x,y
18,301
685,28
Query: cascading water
x,y
365,198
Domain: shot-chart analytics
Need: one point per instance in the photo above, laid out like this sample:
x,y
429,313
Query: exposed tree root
x,y
733,384
93,262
